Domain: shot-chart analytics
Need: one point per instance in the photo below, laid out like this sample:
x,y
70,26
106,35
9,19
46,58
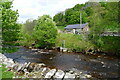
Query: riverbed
x,y
99,66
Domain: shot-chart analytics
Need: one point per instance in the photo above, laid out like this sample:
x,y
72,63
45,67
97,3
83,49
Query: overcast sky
x,y
33,8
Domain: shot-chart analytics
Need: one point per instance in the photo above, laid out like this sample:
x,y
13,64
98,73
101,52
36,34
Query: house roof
x,y
75,26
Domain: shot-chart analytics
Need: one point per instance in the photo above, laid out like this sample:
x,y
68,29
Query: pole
x,y
80,18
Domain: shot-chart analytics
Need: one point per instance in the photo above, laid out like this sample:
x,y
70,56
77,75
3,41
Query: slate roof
x,y
75,26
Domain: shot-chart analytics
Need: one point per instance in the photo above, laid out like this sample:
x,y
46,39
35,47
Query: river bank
x,y
99,66
35,70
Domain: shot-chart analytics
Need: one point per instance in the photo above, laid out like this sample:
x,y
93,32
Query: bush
x,y
110,44
45,32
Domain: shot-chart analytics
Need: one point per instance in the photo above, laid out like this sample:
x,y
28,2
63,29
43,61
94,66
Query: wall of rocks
x,y
40,70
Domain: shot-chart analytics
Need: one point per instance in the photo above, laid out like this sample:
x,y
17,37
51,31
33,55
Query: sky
x,y
31,9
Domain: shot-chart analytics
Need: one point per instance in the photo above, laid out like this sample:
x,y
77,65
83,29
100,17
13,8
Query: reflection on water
x,y
97,65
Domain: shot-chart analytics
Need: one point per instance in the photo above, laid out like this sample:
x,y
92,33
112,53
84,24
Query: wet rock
x,y
10,65
37,67
10,60
50,73
1,60
87,76
45,70
59,74
16,67
42,64
2,56
34,49
71,72
51,58
69,75
102,63
82,76
38,75
27,65
76,71
64,49
50,50
31,67
44,52
20,67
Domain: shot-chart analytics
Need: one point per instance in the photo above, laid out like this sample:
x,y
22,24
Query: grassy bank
x,y
61,27
4,74
73,42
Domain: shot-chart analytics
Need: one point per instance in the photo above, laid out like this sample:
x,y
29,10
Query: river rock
x,y
50,73
10,60
87,76
27,65
31,67
42,64
76,71
45,71
20,67
2,56
59,74
37,67
69,75
1,60
34,49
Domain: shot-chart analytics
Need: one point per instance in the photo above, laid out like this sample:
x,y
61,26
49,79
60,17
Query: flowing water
x,y
99,66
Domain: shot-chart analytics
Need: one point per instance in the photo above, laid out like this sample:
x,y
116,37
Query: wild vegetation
x,y
75,43
4,74
10,28
42,32
102,17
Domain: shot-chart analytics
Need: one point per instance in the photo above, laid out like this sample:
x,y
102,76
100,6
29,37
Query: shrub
x,y
45,32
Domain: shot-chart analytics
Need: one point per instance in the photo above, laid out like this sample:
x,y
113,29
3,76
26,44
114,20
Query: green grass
x,y
73,42
4,74
61,27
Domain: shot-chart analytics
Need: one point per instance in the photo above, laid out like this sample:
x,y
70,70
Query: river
x,y
99,66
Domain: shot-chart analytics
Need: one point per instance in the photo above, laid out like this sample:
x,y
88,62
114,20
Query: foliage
x,y
104,18
4,73
59,19
60,28
28,26
10,28
74,42
71,16
26,32
110,44
45,32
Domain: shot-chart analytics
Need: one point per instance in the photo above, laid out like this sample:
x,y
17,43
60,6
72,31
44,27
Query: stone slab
x,y
50,73
59,74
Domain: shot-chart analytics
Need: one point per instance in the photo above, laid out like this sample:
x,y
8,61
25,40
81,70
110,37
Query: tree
x,y
59,19
45,32
27,32
10,28
71,16
28,26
